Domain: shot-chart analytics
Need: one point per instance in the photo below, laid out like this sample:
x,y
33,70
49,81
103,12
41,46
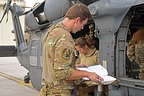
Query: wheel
x,y
27,78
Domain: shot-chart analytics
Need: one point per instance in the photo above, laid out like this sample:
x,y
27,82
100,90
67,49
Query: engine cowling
x,y
50,10
55,9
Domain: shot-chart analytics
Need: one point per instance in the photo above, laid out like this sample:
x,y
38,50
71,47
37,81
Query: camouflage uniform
x,y
89,59
135,53
58,62
85,88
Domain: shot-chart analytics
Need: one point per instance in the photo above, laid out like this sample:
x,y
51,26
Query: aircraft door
x,y
35,69
126,71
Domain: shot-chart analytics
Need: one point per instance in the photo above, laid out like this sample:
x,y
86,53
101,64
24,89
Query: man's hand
x,y
94,77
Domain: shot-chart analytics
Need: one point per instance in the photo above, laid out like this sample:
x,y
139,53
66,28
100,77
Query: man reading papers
x,y
101,71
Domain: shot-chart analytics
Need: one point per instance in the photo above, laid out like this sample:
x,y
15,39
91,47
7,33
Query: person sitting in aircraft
x,y
58,56
135,51
88,56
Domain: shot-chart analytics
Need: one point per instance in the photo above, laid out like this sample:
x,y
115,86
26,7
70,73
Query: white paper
x,y
101,71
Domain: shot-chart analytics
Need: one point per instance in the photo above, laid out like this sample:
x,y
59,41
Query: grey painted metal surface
x,y
112,19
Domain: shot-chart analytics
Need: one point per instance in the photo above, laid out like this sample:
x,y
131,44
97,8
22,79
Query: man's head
x,y
78,15
78,10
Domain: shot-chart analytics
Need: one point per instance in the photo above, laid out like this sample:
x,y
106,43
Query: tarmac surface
x,y
11,79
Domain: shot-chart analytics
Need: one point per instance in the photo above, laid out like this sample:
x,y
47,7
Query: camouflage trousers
x,y
46,91
85,91
86,88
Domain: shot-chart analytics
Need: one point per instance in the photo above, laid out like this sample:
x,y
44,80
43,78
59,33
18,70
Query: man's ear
x,y
77,19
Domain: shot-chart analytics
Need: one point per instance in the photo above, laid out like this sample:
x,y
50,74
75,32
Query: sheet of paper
x,y
101,71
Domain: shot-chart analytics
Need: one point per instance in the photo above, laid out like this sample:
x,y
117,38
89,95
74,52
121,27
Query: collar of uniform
x,y
62,25
90,54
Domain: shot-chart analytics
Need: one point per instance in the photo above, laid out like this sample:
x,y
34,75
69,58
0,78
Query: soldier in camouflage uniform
x,y
58,72
88,53
135,51
88,56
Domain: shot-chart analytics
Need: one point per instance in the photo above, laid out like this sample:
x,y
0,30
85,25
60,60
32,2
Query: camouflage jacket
x,y
58,57
135,52
135,49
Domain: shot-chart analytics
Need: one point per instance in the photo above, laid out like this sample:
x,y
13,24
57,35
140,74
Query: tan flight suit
x,y
58,62
89,59
87,87
135,51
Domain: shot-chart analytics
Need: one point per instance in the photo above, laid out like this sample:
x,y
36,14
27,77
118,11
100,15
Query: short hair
x,y
78,10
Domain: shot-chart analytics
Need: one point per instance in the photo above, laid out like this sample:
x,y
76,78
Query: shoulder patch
x,y
66,53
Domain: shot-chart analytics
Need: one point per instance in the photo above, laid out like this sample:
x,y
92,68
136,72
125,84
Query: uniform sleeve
x,y
131,51
64,58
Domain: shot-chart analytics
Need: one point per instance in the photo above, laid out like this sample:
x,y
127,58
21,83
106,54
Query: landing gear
x,y
27,78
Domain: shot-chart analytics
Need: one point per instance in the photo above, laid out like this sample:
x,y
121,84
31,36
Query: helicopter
x,y
113,24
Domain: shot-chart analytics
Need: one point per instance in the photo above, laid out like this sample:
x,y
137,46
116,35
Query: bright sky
x,y
30,3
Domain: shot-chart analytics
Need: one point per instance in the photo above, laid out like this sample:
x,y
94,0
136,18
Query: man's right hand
x,y
94,77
